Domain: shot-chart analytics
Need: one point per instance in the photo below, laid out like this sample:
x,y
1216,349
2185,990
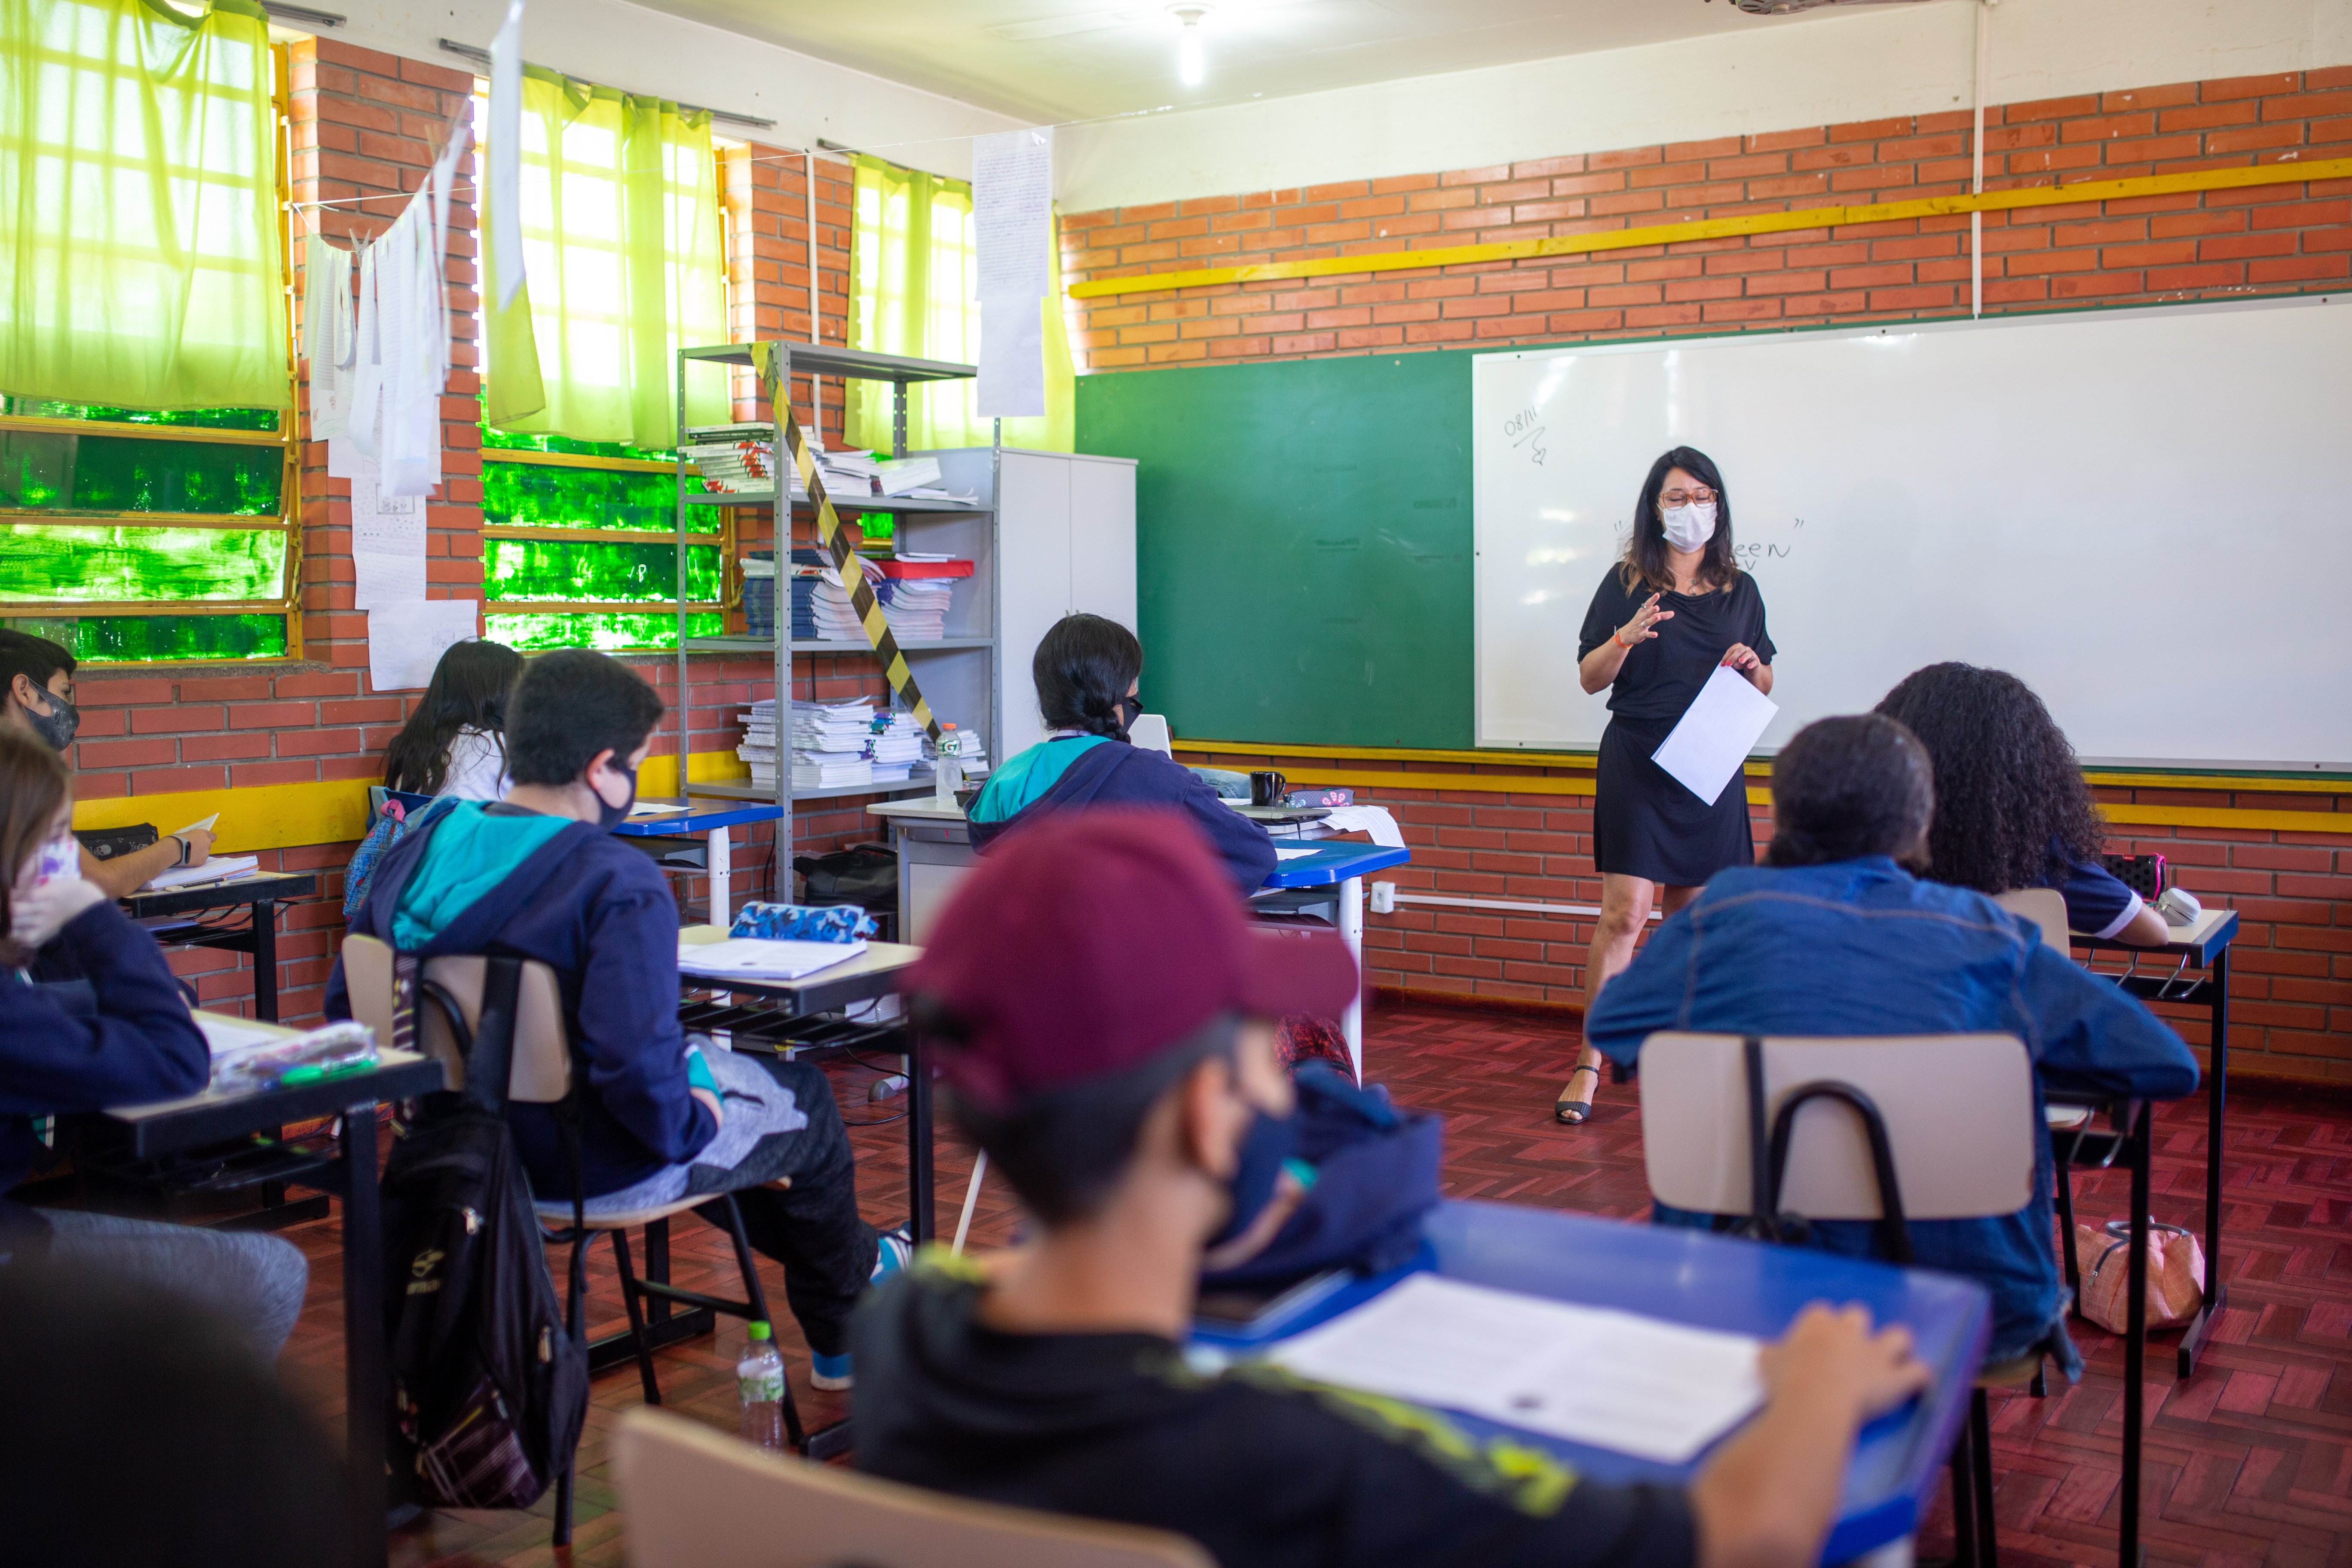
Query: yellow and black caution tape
x,y
838,543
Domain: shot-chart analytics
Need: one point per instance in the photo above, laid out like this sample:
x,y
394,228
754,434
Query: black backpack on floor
x,y
488,1390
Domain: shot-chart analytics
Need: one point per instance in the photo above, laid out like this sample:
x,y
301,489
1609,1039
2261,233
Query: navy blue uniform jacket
x,y
1116,773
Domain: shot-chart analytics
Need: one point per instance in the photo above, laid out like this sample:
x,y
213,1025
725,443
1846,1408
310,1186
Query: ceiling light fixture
x,y
1192,57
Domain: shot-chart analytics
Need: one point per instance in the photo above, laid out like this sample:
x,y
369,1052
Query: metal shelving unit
x,y
967,664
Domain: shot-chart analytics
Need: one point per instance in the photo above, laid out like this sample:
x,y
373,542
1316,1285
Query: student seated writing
x,y
1088,671
1105,1011
455,742
133,1043
37,689
540,876
2011,807
1833,936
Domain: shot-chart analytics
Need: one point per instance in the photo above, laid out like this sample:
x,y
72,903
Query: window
x,y
127,534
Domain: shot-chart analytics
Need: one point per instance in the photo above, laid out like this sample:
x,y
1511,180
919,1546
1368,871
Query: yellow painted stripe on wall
x,y
289,816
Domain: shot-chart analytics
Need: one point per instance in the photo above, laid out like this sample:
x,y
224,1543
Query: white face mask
x,y
59,857
1688,527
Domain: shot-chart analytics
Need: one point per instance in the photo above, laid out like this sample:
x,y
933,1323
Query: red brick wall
x,y
2291,989
2262,239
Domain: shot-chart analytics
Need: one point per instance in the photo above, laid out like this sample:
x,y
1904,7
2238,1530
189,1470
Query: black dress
x,y
1645,822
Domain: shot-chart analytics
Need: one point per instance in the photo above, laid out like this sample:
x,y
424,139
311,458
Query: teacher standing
x,y
1662,620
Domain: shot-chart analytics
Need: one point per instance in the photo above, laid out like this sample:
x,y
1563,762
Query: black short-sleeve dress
x,y
1645,822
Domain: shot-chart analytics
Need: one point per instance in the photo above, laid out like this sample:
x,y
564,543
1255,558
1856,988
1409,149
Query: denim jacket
x,y
1860,947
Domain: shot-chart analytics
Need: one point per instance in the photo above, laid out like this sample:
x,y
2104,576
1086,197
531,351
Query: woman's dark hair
x,y
1083,668
2010,796
1846,787
569,706
33,784
468,691
1646,551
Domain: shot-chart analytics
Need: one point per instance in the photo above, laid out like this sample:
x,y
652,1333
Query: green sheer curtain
x,y
140,259
620,226
917,294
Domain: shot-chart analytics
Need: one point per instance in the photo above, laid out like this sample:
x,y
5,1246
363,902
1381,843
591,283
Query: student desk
x,y
1717,1282
2204,944
170,1127
935,849
711,818
262,891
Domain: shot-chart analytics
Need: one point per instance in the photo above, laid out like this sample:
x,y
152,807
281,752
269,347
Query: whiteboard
x,y
2145,514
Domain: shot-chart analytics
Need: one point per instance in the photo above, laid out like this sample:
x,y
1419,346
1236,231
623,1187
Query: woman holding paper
x,y
1663,619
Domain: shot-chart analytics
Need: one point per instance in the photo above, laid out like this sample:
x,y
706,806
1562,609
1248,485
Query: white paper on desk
x,y
225,1036
219,868
405,641
1283,853
1588,1375
1716,734
1375,820
1012,219
387,541
758,958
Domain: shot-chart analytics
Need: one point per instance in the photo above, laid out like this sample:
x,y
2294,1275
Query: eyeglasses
x,y
1699,497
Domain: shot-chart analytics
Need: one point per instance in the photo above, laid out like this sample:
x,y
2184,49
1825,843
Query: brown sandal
x,y
1563,1106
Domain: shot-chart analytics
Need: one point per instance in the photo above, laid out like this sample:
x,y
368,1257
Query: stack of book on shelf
x,y
857,475
916,592
833,744
733,459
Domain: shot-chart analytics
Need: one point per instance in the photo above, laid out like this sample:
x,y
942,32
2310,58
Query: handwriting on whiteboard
x,y
1523,432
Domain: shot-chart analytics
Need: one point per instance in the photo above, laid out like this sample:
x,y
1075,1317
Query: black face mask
x,y
58,725
608,815
1264,1148
1130,709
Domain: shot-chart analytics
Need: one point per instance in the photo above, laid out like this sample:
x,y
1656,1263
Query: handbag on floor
x,y
2176,1274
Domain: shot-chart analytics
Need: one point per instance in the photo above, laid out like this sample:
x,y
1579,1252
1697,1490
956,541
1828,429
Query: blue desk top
x,y
695,819
1335,863
1717,1282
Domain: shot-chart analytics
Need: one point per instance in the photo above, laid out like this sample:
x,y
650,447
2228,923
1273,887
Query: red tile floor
x,y
2247,1463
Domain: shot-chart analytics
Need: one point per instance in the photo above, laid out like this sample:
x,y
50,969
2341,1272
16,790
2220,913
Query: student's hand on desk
x,y
35,915
199,843
1833,1350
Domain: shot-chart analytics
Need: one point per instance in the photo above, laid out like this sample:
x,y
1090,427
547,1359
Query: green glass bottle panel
x,y
48,471
96,563
561,570
187,418
617,631
527,495
142,639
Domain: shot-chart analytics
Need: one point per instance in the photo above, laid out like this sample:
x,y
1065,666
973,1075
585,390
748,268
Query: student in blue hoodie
x,y
1834,936
126,1040
540,876
1088,671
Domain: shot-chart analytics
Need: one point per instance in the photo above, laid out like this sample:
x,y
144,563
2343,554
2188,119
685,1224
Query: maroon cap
x,y
1093,940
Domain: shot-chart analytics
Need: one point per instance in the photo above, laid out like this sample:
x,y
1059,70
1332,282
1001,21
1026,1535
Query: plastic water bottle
x,y
760,1385
948,776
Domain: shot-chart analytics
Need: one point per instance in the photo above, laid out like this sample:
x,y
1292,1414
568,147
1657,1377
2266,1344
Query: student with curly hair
x,y
2012,808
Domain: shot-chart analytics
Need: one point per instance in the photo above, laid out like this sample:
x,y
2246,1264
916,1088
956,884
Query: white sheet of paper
x,y
1283,853
506,156
1012,210
205,824
758,958
1716,734
387,543
224,1037
1588,1375
219,868
406,640
1376,820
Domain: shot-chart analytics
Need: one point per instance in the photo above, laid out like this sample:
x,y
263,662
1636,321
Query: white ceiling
x,y
1052,61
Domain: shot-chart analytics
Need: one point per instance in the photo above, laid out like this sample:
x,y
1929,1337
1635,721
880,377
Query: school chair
x,y
1150,732
697,1499
2043,907
449,1008
1933,1127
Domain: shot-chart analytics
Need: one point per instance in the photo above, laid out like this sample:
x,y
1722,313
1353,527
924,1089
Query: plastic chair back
x,y
541,1074
2045,906
1151,731
697,1499
1959,1110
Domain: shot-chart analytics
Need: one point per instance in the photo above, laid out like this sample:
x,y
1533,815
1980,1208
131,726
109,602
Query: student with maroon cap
x,y
1102,1009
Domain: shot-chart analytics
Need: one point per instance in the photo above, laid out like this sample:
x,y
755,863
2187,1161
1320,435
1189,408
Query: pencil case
x,y
801,922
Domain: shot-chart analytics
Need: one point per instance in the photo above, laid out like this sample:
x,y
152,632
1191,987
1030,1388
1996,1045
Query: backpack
x,y
489,1389
382,835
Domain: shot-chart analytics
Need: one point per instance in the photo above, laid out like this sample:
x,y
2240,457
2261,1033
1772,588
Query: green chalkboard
x,y
1302,545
